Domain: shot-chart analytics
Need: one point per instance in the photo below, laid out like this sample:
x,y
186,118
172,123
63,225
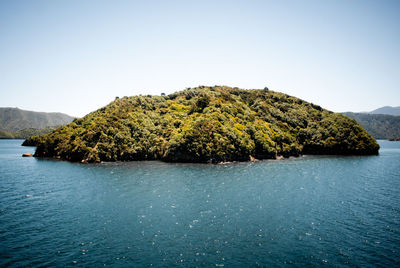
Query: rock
x,y
253,159
27,155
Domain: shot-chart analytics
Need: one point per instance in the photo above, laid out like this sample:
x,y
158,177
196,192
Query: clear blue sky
x,y
76,56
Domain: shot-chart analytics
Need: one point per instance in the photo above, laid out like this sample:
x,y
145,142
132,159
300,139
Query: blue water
x,y
306,211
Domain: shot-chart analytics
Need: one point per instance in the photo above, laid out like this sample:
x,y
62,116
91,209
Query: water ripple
x,y
306,211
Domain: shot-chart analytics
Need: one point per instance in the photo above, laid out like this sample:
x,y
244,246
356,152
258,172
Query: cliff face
x,y
206,124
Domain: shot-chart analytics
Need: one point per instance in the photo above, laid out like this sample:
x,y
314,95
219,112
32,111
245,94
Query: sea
x,y
308,211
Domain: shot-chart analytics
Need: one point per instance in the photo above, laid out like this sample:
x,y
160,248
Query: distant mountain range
x,y
381,123
17,123
389,110
380,126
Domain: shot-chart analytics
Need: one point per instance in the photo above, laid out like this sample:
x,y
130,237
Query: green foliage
x,y
205,124
29,132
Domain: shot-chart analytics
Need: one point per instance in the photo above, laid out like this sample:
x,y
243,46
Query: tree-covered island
x,y
205,124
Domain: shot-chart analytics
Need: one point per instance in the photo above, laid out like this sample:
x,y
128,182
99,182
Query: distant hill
x,y
389,110
15,119
26,133
380,126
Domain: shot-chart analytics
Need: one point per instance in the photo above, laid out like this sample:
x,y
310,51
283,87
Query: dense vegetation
x,y
380,126
14,119
206,124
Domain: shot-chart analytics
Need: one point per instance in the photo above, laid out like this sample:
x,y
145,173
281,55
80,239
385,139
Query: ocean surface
x,y
306,211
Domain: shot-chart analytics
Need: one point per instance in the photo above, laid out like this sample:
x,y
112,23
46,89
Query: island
x,y
206,124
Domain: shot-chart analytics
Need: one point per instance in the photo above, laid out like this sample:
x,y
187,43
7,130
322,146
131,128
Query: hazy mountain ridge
x,y
380,126
15,119
205,124
389,110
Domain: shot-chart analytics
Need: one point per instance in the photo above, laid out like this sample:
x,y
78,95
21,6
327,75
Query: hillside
x,y
14,119
206,124
389,110
380,126
25,133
